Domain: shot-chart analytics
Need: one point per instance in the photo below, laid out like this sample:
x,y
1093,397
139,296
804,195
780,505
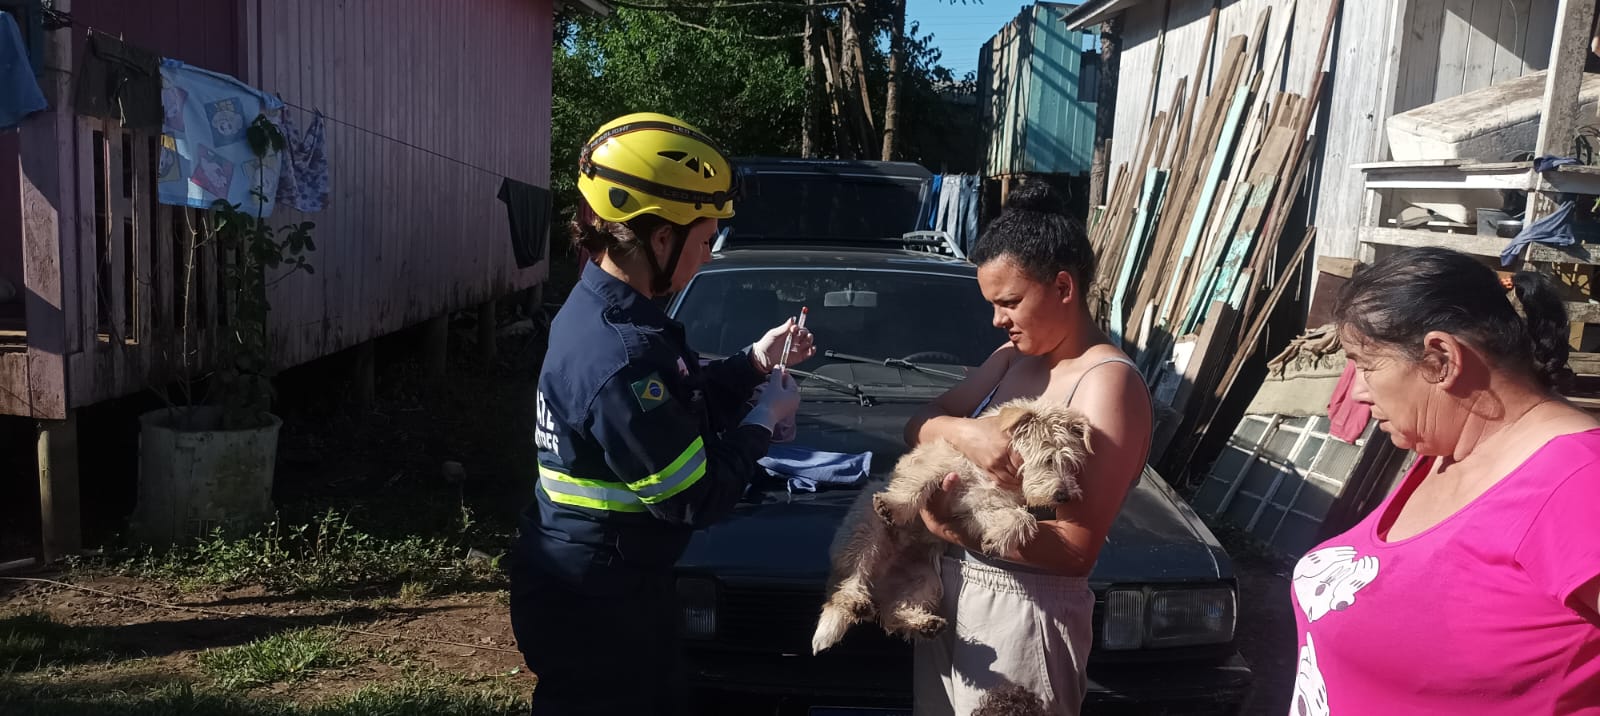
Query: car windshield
x,y
929,319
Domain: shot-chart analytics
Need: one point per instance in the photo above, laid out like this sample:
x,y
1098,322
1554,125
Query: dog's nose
x,y
1062,496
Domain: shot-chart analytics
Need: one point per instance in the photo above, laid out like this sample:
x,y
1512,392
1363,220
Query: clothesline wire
x,y
400,142
360,128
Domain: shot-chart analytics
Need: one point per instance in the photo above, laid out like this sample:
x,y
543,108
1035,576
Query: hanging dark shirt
x,y
119,81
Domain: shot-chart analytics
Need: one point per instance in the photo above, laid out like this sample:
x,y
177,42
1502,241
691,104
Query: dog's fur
x,y
1010,700
885,562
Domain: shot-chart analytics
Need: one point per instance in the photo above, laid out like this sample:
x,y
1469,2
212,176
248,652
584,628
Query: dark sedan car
x,y
903,325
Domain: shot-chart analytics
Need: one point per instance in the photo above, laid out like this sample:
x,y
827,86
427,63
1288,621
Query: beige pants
x,y
1030,629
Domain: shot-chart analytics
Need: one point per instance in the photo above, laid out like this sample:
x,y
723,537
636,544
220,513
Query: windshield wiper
x,y
861,396
851,389
893,363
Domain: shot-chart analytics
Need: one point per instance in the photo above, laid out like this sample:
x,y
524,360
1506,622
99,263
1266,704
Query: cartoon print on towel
x,y
1310,690
1327,580
213,172
172,105
205,152
172,166
227,121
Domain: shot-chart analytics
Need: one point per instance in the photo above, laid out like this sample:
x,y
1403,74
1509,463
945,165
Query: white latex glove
x,y
779,399
767,352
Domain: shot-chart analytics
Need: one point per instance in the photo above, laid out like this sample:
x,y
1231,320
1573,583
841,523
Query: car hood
x,y
775,536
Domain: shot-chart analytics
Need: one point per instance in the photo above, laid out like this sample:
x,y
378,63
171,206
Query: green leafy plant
x,y
248,246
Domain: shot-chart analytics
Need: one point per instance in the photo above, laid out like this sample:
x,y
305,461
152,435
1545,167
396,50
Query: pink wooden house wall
x,y
429,105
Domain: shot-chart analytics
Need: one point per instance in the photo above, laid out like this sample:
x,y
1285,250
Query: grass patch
x,y
284,657
325,555
186,700
34,641
417,695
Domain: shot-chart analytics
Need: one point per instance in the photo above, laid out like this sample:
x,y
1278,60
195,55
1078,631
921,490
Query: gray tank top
x,y
959,552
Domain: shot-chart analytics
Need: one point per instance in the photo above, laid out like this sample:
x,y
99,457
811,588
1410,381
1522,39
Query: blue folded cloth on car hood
x,y
805,469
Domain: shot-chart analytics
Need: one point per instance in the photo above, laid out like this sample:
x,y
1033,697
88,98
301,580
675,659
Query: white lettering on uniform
x,y
544,434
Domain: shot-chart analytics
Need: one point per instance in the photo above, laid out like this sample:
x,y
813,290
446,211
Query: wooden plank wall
x,y
1448,46
203,33
10,221
434,103
1005,96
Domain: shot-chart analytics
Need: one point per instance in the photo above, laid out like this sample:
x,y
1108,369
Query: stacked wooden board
x,y
1189,240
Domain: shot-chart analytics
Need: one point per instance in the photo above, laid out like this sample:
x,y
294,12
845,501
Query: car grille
x,y
783,620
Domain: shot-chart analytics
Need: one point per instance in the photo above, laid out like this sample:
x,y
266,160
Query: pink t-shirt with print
x,y
1468,617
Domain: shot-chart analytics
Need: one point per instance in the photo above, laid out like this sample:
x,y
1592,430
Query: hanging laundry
x,y
1552,230
528,208
205,149
303,180
119,81
1347,417
20,95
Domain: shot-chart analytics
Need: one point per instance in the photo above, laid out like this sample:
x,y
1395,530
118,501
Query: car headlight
x,y
698,601
1158,617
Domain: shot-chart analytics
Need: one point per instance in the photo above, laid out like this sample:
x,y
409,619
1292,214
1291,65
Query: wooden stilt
x,y
435,352
365,376
487,348
58,487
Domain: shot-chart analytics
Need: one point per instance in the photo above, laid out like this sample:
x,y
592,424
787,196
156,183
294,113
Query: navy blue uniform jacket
x,y
639,444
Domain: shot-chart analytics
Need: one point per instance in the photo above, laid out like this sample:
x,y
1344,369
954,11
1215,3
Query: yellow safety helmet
x,y
649,163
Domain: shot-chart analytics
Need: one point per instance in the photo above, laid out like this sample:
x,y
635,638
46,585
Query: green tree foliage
x,y
739,75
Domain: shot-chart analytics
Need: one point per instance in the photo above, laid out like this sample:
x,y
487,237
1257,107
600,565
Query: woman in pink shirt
x,y
1475,587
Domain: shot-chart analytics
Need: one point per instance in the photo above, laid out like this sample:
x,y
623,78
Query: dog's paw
x,y
892,512
931,627
1002,538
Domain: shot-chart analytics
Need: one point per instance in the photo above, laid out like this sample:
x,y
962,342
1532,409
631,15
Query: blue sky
x,y
959,30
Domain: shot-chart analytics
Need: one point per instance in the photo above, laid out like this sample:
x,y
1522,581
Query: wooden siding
x,y
10,224
203,33
1028,81
1384,62
430,105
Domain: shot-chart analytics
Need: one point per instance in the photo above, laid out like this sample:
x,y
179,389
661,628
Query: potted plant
x,y
208,463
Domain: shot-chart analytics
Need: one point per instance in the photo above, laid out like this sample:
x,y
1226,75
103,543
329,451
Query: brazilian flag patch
x,y
651,392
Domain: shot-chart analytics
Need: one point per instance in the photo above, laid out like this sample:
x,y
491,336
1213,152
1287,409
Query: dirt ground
x,y
157,644
385,469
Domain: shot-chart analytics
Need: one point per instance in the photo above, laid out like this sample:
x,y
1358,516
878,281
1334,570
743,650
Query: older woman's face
x,y
1408,406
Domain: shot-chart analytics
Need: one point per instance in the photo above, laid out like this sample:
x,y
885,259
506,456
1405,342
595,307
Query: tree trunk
x,y
855,83
891,101
834,72
808,125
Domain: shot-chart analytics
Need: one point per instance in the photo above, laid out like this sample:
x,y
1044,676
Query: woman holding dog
x,y
1026,618
1475,586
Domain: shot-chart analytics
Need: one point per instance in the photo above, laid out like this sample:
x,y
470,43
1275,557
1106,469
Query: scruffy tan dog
x,y
885,562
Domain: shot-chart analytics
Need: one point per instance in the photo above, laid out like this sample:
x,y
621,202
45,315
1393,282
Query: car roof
x,y
772,255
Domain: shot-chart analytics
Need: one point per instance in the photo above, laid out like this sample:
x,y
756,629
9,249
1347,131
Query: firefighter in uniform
x,y
639,443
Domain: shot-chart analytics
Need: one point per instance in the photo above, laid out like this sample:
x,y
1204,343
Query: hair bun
x,y
1035,196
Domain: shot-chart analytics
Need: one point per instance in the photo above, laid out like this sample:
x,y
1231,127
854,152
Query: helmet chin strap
x,y
661,279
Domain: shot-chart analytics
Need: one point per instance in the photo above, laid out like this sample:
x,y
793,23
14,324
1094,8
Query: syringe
x,y
788,340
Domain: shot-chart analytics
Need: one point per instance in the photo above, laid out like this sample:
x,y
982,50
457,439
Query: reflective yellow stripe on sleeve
x,y
565,489
686,470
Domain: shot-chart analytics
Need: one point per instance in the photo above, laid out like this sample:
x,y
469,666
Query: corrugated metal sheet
x,y
1029,80
430,105
1060,124
1490,41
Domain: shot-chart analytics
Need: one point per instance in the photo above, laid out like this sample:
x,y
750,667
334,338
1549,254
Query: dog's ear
x,y
1012,416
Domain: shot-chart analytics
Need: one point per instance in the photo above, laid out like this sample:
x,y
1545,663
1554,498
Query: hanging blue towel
x,y
805,469
205,148
19,91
